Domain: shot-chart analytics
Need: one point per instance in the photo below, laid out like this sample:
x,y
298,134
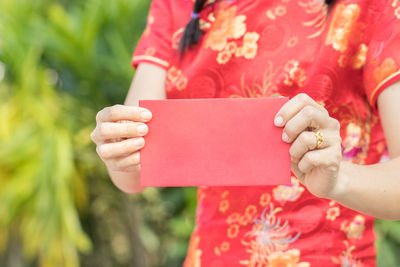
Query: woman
x,y
339,64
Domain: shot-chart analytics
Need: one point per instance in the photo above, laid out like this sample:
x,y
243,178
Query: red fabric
x,y
343,60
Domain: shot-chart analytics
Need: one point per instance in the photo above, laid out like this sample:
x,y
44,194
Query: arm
x,y
122,156
371,189
375,189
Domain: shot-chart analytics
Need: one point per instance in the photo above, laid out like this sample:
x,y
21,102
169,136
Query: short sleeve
x,y
155,45
383,58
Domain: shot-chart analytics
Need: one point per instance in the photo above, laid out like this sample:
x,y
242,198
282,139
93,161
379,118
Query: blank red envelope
x,y
214,142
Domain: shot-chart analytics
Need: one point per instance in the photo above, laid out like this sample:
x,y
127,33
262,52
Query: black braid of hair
x,y
192,32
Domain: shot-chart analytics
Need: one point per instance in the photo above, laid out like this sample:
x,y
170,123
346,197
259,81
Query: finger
x,y
123,112
126,162
329,158
307,141
308,116
120,149
110,130
292,107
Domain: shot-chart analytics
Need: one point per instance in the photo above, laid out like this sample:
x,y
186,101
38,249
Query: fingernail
x,y
138,142
278,121
285,137
146,115
142,128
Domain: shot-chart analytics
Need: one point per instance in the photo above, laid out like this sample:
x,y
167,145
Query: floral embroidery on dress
x,y
332,213
224,29
288,258
278,11
265,199
396,6
354,229
249,48
226,26
267,236
294,75
284,193
356,61
150,21
343,26
346,259
223,205
224,247
233,231
175,78
387,68
267,86
292,41
355,143
319,22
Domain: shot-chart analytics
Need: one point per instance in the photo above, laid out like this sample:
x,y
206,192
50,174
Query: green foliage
x,y
63,61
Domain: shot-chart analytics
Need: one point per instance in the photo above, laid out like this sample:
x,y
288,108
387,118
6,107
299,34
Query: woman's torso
x,y
270,48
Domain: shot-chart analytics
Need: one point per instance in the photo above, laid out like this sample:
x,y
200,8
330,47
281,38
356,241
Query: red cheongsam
x,y
343,58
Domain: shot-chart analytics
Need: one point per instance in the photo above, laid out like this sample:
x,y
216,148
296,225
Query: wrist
x,y
127,182
342,183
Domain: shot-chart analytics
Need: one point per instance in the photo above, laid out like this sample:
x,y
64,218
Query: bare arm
x,y
375,189
371,189
122,157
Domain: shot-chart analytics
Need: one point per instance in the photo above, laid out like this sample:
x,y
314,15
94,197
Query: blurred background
x,y
61,61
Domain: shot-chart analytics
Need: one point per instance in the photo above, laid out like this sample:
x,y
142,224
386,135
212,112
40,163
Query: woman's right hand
x,y
119,136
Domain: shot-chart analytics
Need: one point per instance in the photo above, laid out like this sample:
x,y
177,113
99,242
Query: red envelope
x,y
214,142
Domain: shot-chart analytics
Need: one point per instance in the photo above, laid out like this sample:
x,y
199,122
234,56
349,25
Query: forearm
x,y
370,189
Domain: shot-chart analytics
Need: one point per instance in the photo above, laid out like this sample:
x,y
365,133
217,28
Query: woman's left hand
x,y
315,165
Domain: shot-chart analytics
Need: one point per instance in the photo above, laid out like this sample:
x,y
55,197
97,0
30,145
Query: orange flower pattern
x,y
355,228
344,19
288,258
225,30
175,78
283,193
274,48
387,67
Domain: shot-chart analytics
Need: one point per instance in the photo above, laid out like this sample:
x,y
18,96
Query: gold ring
x,y
320,139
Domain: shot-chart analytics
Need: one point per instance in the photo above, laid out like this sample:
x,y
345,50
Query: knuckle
x,y
302,166
101,151
334,123
308,158
333,168
304,139
118,164
114,111
129,128
290,129
135,158
98,115
128,146
292,151
303,97
308,111
104,130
